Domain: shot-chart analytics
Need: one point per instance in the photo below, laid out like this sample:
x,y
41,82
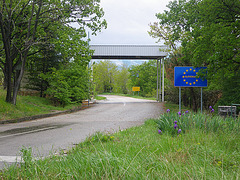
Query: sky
x,y
128,21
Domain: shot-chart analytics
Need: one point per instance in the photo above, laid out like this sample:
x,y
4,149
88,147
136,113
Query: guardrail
x,y
226,110
235,106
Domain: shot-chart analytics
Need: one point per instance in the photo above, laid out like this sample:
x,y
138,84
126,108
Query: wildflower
x,y
175,126
168,110
210,107
186,112
179,131
183,114
212,110
179,113
159,131
175,122
219,163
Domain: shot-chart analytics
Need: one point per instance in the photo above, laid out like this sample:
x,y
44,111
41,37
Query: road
x,y
50,135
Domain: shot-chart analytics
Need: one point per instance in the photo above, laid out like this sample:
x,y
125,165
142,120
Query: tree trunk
x,y
9,82
194,100
19,78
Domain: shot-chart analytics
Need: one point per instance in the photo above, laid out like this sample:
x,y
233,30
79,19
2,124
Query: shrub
x,y
68,85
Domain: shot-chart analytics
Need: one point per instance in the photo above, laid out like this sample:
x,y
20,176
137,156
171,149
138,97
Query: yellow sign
x,y
135,88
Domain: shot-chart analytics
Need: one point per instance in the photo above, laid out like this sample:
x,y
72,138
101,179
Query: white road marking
x,y
28,132
10,159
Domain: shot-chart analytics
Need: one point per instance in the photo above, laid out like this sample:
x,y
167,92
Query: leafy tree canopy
x,y
25,23
206,33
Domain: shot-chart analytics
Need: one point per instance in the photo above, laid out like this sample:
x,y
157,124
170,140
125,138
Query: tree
x,y
41,63
69,84
104,74
207,32
22,24
145,77
216,44
121,80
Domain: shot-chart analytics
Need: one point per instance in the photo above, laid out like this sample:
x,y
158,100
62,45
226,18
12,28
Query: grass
x,y
142,153
27,106
100,98
175,107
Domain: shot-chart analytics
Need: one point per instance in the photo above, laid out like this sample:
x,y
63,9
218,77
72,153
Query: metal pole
x,y
201,101
88,75
163,80
179,99
157,81
160,80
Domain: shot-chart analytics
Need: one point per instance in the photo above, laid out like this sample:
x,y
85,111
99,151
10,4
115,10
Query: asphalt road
x,y
50,135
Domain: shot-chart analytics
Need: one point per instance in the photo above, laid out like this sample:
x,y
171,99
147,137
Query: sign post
x,y
189,77
179,99
136,89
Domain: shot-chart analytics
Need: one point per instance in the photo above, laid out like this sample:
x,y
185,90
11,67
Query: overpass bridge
x,y
131,52
135,52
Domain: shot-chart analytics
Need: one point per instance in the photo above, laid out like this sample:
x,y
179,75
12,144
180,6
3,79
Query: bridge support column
x,y
157,81
159,69
162,81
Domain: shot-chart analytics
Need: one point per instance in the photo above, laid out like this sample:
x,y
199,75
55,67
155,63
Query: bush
x,y
68,85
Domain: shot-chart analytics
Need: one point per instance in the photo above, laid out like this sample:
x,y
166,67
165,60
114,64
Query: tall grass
x,y
205,122
142,153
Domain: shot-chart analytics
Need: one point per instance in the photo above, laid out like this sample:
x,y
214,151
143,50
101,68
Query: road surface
x,y
50,135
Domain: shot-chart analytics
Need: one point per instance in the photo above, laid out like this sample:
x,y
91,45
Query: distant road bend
x,y
62,132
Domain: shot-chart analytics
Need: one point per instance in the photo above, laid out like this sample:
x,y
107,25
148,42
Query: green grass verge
x,y
27,106
175,107
100,98
142,153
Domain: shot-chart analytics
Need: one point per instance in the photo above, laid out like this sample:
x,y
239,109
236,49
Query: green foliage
x,y
204,122
69,84
105,74
41,63
208,34
216,43
100,97
1,77
230,91
121,80
99,137
145,77
27,160
43,28
27,106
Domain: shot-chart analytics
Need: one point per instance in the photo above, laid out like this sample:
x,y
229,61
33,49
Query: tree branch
x,y
21,10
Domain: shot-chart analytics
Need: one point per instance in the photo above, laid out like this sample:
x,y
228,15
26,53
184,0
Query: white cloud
x,y
128,21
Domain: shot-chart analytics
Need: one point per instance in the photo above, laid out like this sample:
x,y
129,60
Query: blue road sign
x,y
188,77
